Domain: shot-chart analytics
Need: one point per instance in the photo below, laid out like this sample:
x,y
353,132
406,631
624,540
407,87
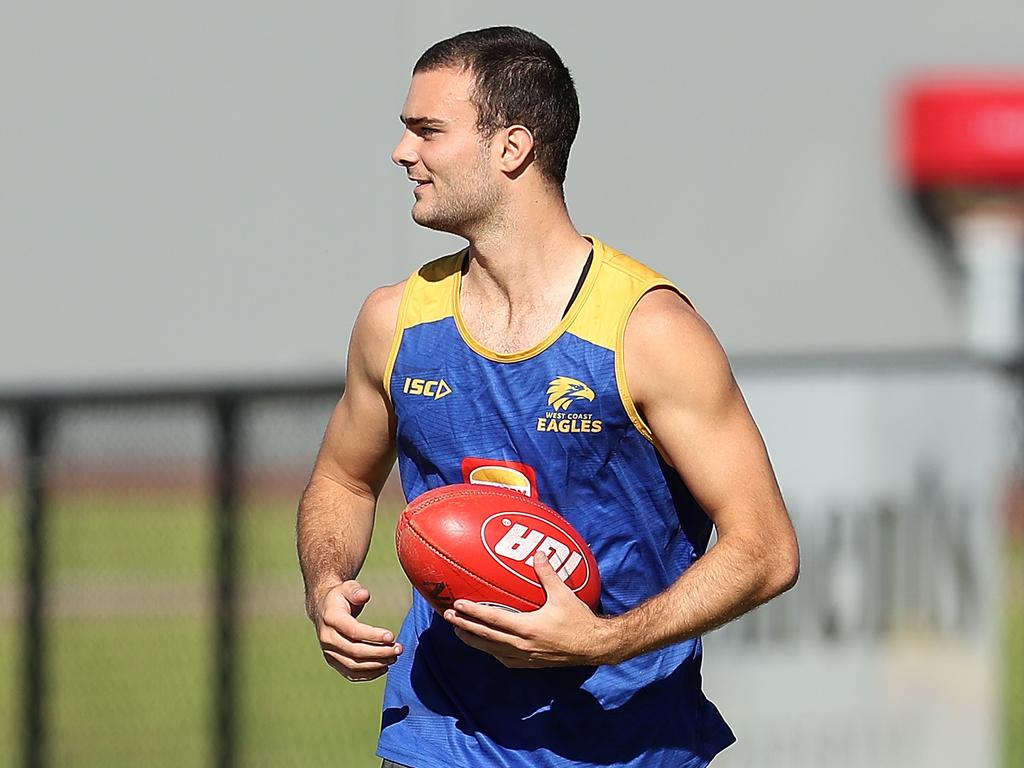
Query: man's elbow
x,y
785,568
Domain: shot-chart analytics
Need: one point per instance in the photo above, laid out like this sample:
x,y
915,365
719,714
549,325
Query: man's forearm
x,y
731,579
333,532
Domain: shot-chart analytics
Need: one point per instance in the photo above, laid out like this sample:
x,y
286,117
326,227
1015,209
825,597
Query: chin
x,y
433,221
423,218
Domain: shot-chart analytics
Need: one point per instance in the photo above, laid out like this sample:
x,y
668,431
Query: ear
x,y
515,149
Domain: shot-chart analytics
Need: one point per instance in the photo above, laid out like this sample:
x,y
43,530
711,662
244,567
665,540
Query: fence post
x,y
34,426
1012,608
226,606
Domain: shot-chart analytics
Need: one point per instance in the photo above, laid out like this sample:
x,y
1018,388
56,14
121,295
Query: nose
x,y
405,153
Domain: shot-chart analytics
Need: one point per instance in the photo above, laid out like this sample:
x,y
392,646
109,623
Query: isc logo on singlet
x,y
435,389
512,539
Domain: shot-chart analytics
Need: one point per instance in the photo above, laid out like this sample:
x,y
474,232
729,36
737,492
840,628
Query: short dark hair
x,y
520,80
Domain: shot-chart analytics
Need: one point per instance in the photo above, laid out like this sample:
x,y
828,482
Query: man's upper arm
x,y
681,382
358,446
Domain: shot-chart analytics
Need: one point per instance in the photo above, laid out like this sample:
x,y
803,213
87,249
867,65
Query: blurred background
x,y
195,198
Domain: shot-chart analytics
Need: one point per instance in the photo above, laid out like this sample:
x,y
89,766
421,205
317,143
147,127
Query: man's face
x,y
444,154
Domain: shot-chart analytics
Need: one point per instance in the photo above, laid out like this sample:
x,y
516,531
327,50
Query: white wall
x,y
887,653
200,190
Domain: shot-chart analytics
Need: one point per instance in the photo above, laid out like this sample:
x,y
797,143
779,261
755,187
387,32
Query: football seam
x,y
487,490
461,567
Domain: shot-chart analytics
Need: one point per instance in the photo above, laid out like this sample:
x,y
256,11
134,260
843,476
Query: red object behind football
x,y
476,542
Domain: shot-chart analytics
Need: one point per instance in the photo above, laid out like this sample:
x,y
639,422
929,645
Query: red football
x,y
476,542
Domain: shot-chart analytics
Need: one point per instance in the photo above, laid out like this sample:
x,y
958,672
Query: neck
x,y
532,250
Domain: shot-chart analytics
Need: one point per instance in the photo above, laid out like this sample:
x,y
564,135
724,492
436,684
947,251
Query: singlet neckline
x,y
556,332
579,283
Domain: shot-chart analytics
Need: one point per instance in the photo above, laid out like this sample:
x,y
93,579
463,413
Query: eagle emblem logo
x,y
562,391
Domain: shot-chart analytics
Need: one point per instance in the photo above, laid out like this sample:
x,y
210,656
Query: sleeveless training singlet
x,y
555,422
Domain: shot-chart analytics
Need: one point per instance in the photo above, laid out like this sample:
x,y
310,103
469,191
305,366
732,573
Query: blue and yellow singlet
x,y
555,422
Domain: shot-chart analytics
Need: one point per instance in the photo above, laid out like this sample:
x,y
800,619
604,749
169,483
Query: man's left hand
x,y
563,632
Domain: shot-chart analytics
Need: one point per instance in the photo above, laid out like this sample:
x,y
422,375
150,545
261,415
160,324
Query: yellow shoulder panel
x,y
431,290
428,296
619,286
602,320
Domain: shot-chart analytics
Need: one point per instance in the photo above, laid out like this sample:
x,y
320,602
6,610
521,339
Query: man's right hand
x,y
335,517
358,651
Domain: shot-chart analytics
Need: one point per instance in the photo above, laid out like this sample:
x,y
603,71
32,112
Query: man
x,y
529,327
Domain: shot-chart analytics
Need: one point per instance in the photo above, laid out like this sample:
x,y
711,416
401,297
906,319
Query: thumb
x,y
549,580
356,594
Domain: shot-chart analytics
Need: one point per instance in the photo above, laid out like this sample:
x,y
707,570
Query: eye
x,y
425,131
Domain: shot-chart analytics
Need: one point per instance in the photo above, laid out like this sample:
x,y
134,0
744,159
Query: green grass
x,y
138,693
10,539
146,536
131,639
131,692
10,637
130,678
10,692
1013,643
295,710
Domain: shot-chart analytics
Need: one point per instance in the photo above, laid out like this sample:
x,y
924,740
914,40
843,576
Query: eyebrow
x,y
422,122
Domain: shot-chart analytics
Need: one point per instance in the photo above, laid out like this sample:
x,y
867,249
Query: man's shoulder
x,y
379,314
384,299
375,324
674,348
664,313
665,303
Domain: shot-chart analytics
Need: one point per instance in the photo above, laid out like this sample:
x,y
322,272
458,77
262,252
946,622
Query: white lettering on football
x,y
556,551
570,565
519,542
562,559
515,546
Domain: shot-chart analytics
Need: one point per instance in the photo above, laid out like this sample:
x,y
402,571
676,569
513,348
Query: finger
x,y
353,672
549,580
510,658
515,662
347,598
354,665
356,594
498,618
386,654
481,630
365,678
344,626
497,649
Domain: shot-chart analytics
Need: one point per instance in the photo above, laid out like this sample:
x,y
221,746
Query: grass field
x,y
1013,642
131,644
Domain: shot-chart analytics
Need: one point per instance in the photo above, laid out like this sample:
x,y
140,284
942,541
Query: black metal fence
x,y
152,608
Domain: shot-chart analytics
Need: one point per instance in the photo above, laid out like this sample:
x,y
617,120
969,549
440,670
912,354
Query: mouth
x,y
420,183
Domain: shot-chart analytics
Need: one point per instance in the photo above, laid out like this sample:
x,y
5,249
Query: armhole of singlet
x,y
620,357
396,339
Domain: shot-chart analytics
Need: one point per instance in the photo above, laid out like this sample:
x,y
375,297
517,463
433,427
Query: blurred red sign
x,y
963,130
